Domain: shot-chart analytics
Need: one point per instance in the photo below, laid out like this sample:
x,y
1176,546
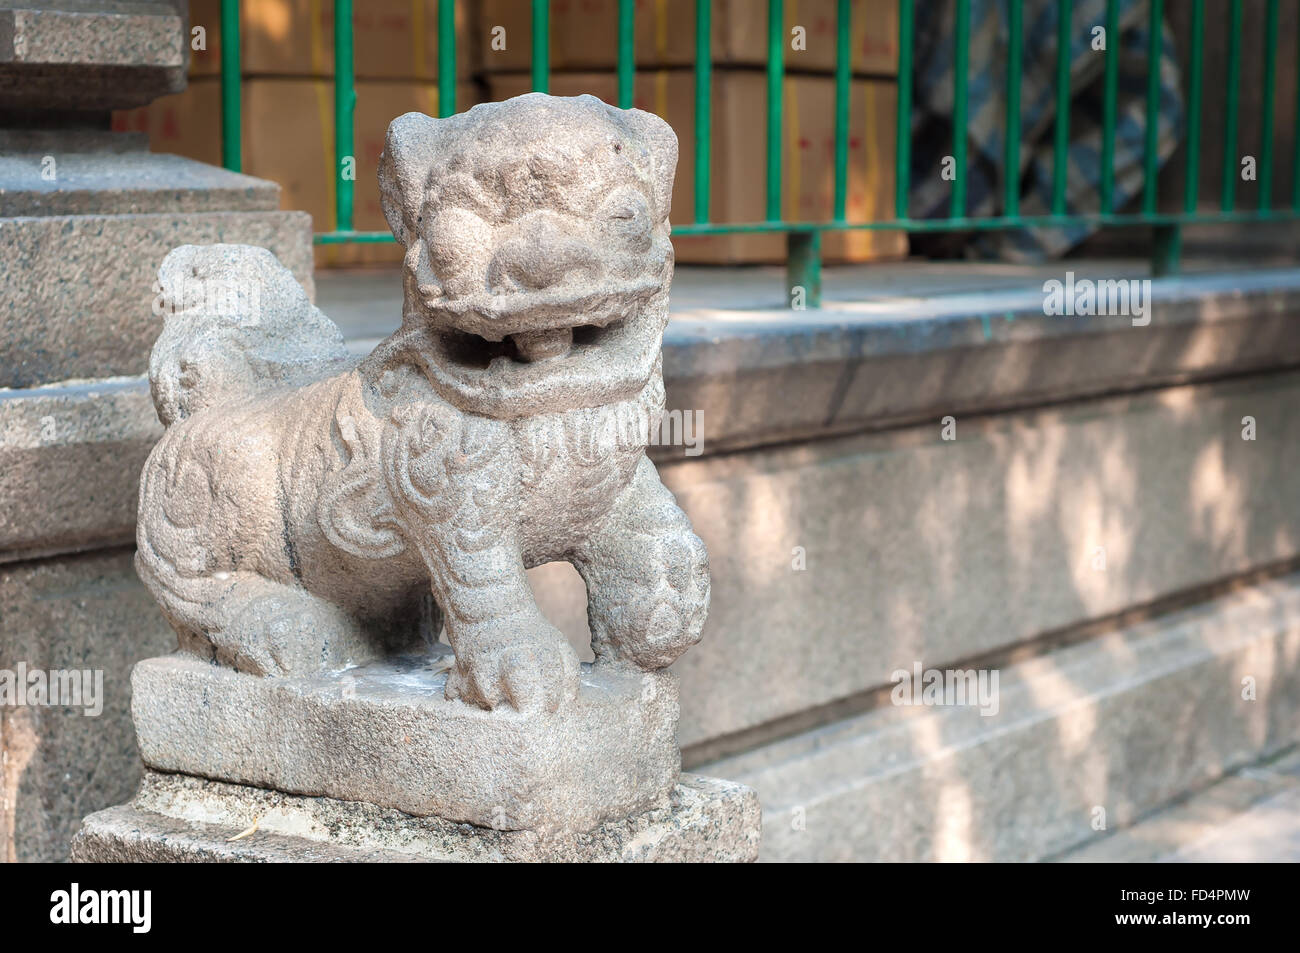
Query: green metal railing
x,y
804,237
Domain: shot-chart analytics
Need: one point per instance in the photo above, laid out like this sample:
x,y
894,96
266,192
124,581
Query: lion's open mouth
x,y
472,352
511,336
528,369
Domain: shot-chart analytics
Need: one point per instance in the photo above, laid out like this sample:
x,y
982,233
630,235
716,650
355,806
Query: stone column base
x,y
179,818
384,733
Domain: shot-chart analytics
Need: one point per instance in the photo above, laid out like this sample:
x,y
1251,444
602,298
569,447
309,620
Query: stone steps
x,y
96,172
1250,816
1104,731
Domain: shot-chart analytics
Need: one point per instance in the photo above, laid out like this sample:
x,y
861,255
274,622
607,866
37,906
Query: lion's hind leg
x,y
257,625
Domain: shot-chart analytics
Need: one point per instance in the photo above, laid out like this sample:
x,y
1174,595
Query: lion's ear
x,y
660,139
409,153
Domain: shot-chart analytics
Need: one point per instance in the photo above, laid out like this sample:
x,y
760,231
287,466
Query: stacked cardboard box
x,y
391,39
583,58
584,34
288,114
739,150
287,65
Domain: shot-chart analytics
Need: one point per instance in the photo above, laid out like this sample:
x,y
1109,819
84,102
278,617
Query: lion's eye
x,y
459,245
628,217
454,235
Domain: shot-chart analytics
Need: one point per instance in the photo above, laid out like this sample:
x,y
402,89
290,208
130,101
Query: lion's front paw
x,y
523,661
653,616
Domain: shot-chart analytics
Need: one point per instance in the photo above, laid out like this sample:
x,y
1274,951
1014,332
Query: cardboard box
x,y
392,39
288,137
187,123
739,150
584,34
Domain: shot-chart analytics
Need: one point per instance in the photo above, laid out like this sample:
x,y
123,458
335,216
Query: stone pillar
x,y
86,216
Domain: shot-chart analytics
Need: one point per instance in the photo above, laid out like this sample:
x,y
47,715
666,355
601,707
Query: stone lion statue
x,y
305,511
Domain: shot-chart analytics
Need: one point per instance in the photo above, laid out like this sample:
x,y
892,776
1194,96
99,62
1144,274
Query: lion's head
x,y
538,258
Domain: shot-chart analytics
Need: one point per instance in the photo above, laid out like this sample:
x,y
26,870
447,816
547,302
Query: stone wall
x,y
86,216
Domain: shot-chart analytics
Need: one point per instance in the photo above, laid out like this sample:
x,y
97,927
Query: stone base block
x,y
86,56
176,818
385,734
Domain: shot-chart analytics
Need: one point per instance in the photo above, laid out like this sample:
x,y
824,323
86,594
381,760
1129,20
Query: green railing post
x,y
1231,162
1191,184
960,81
626,52
1166,249
1266,134
775,104
541,46
1061,142
1151,145
903,126
1011,140
1295,146
1166,240
703,106
1109,104
345,101
843,15
803,269
231,140
446,58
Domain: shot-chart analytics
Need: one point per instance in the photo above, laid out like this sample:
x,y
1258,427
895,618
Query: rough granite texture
x,y
51,439
84,172
770,377
974,545
385,733
102,324
85,612
90,54
177,818
304,514
111,212
964,547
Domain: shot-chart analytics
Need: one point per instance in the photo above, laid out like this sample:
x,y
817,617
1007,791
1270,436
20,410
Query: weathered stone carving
x,y
300,508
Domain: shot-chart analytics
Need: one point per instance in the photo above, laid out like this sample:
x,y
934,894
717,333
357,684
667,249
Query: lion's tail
x,y
237,323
